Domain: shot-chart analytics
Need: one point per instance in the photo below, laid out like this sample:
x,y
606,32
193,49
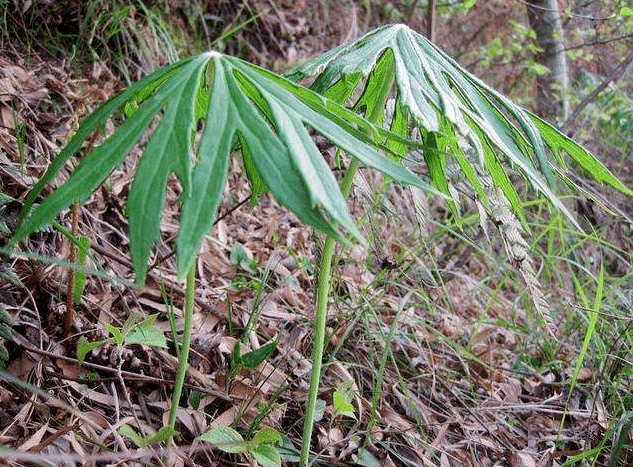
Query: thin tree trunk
x,y
431,20
552,102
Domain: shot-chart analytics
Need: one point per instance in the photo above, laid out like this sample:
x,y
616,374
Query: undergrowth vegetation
x,y
454,334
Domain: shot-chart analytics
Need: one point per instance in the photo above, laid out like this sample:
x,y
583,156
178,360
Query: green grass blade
x,y
591,327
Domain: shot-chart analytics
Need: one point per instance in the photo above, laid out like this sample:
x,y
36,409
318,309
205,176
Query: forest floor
x,y
470,377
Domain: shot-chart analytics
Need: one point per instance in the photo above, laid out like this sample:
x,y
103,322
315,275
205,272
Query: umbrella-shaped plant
x,y
471,135
457,124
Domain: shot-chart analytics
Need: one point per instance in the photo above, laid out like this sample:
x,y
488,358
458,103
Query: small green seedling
x,y
262,447
342,399
164,434
243,258
133,332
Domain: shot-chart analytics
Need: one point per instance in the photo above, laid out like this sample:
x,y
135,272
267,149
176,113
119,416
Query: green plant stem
x,y
183,357
69,314
323,291
375,114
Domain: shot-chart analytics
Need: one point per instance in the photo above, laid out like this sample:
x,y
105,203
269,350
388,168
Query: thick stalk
x,y
323,291
183,358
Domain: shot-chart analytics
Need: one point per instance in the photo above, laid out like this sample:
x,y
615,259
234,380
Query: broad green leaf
x,y
194,399
226,439
255,357
365,458
342,400
139,330
343,406
267,435
287,450
84,347
146,333
241,257
163,434
117,335
267,456
127,430
319,410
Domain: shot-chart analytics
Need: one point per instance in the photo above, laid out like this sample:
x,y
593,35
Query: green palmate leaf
x,y
268,116
365,458
432,89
